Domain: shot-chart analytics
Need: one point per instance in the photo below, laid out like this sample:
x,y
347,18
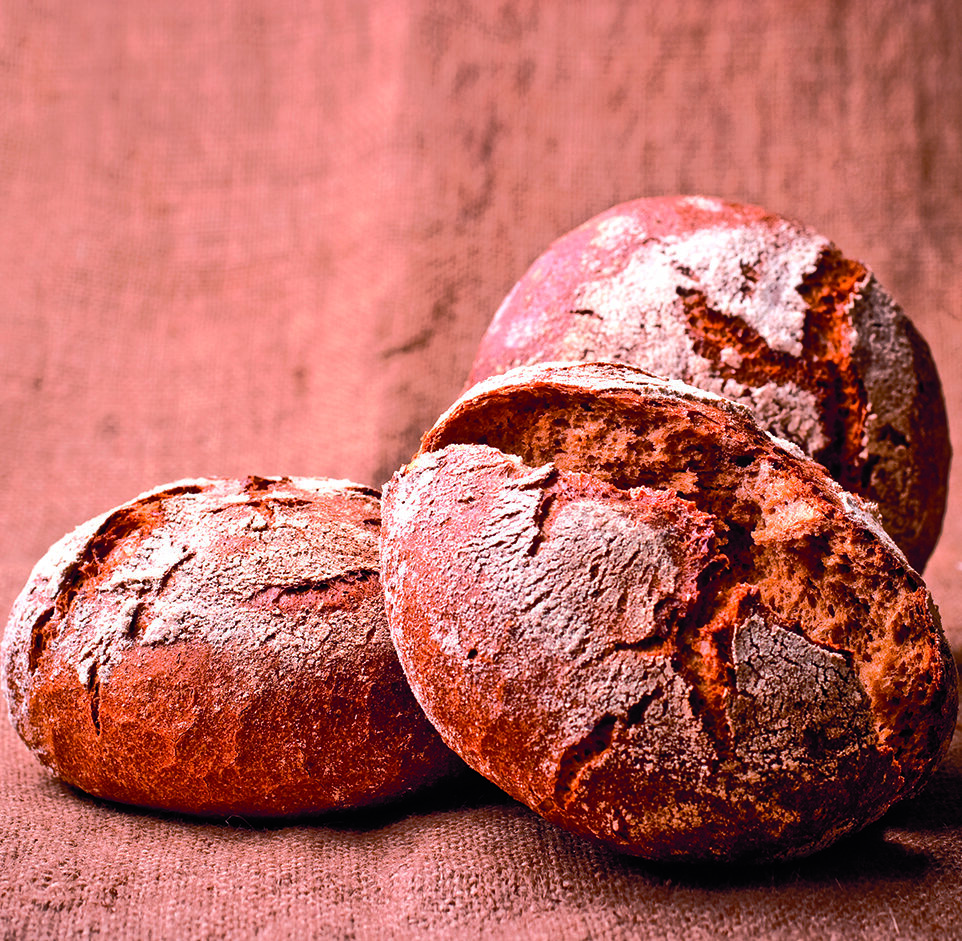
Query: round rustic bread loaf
x,y
656,625
762,310
220,647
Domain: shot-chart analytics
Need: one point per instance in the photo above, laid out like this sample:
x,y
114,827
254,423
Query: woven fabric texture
x,y
245,237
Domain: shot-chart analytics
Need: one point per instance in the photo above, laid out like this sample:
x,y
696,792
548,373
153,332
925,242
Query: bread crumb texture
x,y
220,647
762,310
657,625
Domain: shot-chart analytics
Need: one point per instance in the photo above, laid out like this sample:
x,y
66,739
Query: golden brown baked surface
x,y
220,647
760,309
641,615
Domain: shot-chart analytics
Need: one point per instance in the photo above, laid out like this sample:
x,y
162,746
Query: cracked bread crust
x,y
730,298
220,647
642,616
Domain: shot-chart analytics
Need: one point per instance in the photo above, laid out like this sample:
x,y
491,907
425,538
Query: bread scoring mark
x,y
338,592
580,755
90,570
135,583
780,389
183,557
588,752
830,291
640,768
735,348
85,570
824,371
135,625
41,635
540,518
702,655
93,687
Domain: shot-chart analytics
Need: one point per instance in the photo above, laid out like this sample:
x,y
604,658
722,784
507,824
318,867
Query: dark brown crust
x,y
907,441
639,614
850,381
220,647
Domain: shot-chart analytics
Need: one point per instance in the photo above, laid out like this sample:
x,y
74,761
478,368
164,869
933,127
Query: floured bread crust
x,y
220,647
656,625
762,310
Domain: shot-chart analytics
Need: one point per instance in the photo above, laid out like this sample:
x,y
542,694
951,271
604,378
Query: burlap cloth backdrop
x,y
259,237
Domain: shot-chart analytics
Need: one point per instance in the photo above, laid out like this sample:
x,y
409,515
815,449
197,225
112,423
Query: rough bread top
x,y
760,309
559,668
206,560
657,624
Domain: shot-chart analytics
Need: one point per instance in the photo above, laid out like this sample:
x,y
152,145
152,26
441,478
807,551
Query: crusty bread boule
x,y
220,647
655,624
739,301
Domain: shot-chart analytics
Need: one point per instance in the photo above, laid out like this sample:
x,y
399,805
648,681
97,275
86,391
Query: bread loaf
x,y
655,624
762,310
220,647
